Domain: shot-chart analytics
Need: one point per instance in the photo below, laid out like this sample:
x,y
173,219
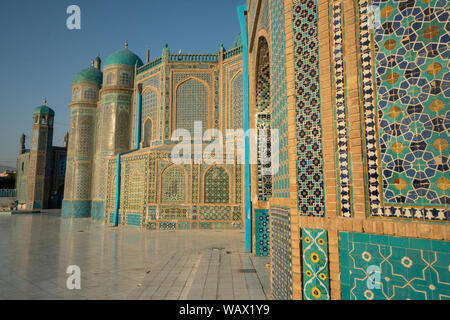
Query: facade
x,y
357,92
41,169
123,134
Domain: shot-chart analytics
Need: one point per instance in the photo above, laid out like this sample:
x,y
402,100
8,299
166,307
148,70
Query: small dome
x,y
238,41
90,74
125,57
44,110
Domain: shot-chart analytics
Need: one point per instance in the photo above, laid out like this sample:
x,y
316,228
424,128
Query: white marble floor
x,y
124,262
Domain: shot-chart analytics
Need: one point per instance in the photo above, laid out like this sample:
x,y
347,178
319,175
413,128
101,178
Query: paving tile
x,y
124,262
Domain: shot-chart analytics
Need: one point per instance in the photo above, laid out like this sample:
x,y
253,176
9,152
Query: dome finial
x,y
45,101
126,44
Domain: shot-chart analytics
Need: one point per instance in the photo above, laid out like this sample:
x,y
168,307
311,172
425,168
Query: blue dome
x,y
44,110
125,57
90,74
238,41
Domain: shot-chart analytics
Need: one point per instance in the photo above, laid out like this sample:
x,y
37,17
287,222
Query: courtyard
x,y
125,262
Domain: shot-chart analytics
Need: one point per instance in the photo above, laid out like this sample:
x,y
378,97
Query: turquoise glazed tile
x,y
315,264
388,272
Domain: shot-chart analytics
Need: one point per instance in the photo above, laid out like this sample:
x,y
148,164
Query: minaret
x,y
114,120
83,111
38,181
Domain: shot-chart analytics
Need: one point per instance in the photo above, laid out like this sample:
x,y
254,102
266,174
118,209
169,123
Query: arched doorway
x,y
263,124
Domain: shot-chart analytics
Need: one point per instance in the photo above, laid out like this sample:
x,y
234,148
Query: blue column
x,y
138,119
248,205
117,202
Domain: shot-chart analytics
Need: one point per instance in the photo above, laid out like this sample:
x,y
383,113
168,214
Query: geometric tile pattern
x,y
215,213
173,185
263,123
136,190
279,98
192,105
281,251
311,197
340,108
262,231
315,264
377,267
236,113
405,87
149,110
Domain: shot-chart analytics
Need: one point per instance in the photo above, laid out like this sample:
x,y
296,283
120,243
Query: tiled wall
x,y
281,251
315,264
262,232
311,193
404,74
377,267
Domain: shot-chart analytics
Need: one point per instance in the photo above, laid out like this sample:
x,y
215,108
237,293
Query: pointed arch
x,y
236,115
148,133
263,119
192,103
136,194
173,184
216,186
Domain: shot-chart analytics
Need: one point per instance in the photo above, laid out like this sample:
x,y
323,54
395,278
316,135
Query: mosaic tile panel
x,y
237,103
310,185
264,165
222,225
340,108
184,225
205,225
279,98
111,194
376,267
167,226
149,111
263,121
238,188
136,190
229,71
216,188
173,213
316,284
151,212
405,87
216,99
262,233
195,183
173,185
281,250
237,213
215,213
133,219
192,105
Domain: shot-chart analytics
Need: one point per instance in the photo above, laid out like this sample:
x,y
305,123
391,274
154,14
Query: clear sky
x,y
39,55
